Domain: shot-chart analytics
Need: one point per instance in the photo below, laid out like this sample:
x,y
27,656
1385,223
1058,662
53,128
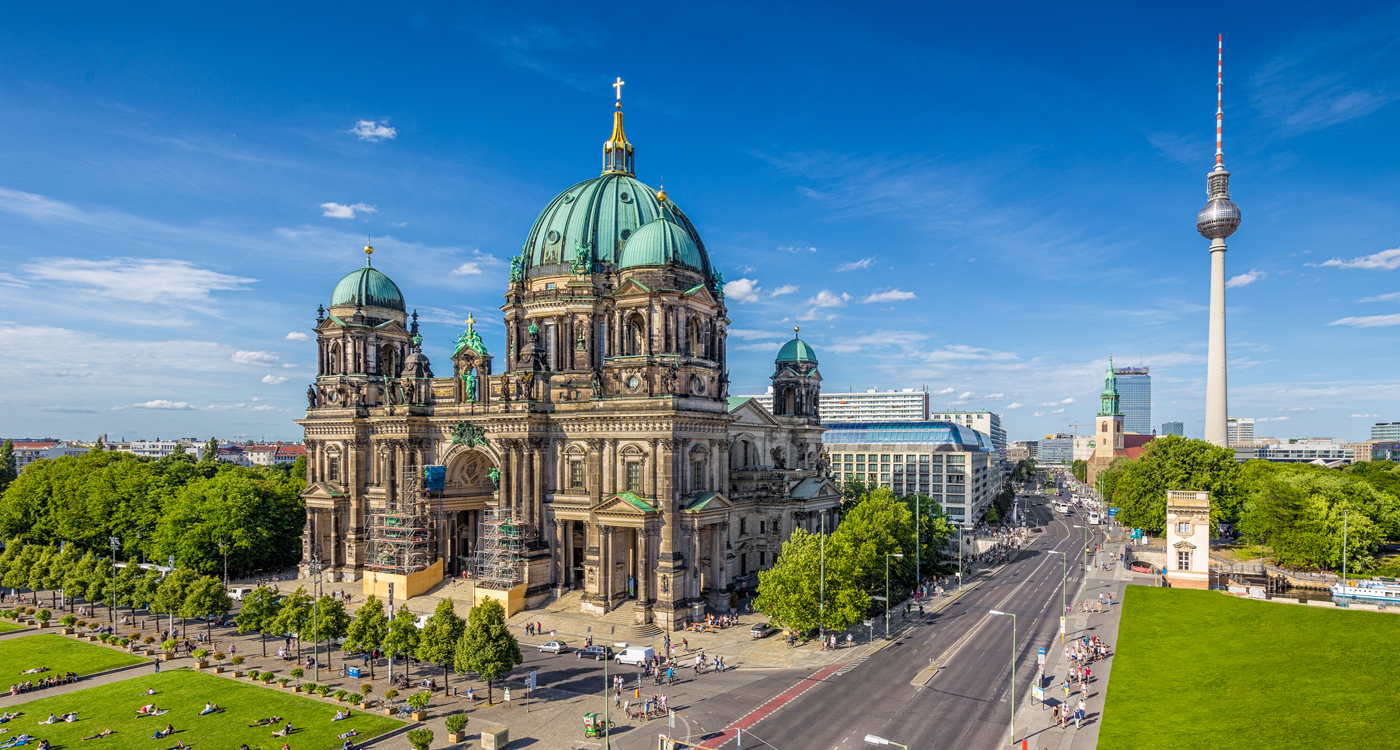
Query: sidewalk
x,y
1034,723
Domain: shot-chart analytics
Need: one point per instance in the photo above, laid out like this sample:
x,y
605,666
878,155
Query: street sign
x,y
1112,512
534,679
1040,658
869,623
1062,626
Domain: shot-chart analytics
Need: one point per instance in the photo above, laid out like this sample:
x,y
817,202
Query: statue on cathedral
x,y
311,396
717,281
778,461
583,258
517,268
495,475
597,383
469,385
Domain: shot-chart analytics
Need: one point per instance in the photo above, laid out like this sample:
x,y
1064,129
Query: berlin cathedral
x,y
601,459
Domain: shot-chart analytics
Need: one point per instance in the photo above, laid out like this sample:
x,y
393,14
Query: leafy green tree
x,y
790,592
368,630
1080,469
170,595
9,556
329,621
403,636
487,647
8,471
259,612
438,642
295,616
206,598
934,531
144,590
39,569
97,446
18,575
853,490
877,526
75,580
211,452
1176,463
1297,513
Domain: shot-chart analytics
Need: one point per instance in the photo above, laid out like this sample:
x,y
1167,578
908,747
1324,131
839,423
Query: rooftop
x,y
944,436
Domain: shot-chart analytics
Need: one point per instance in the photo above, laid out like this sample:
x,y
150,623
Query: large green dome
x,y
660,243
796,351
602,214
368,287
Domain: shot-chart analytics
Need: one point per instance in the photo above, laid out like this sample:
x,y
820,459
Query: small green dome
x,y
368,287
796,351
601,214
660,242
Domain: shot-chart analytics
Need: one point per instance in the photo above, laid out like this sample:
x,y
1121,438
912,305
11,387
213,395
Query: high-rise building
x,y
1239,431
1385,431
1218,220
1173,428
1108,435
872,405
949,463
1135,398
1056,450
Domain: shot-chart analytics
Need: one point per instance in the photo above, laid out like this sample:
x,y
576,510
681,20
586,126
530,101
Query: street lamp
x,y
1012,615
1344,547
115,542
888,555
1064,603
822,583
223,547
316,642
1084,544
871,739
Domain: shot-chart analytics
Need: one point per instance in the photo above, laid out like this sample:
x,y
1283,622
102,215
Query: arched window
x,y
693,337
333,365
636,335
386,361
789,401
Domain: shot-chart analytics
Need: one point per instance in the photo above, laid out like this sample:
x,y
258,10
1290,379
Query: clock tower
x,y
1108,433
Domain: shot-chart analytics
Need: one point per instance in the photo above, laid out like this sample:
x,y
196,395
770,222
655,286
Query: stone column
x,y
609,471
503,490
645,563
605,566
595,469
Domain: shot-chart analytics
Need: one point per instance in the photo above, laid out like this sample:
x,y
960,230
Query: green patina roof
x,y
737,401
368,287
636,501
661,243
796,351
602,214
702,501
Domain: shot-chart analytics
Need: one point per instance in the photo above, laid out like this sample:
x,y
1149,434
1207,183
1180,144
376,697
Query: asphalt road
x,y
967,704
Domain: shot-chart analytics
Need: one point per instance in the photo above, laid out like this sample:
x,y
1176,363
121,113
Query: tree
x,y
438,641
1175,463
853,491
329,622
403,636
1297,513
295,616
9,557
75,579
170,595
17,577
259,612
934,530
144,591
368,630
8,472
97,446
790,592
1080,469
206,598
877,526
211,452
487,647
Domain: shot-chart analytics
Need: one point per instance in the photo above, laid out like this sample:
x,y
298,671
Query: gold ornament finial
x,y
795,329
471,322
369,249
661,194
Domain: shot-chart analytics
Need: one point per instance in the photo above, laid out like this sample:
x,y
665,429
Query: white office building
x,y
907,405
949,463
1239,431
986,422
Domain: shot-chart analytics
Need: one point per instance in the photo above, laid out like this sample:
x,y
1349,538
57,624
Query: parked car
x,y
554,647
597,652
635,655
238,592
761,630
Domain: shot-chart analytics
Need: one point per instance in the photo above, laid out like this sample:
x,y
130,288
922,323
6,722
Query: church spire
x,y
617,152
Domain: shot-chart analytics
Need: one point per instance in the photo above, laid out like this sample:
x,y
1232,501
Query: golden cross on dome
x,y
471,322
620,83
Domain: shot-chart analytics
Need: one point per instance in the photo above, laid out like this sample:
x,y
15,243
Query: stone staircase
x,y
566,617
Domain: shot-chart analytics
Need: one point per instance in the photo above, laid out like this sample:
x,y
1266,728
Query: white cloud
x,y
470,268
274,379
992,396
784,289
893,295
1385,260
1057,411
137,279
965,395
1038,414
824,298
1067,400
241,407
1057,403
159,403
297,336
1273,419
742,290
1391,297
748,334
1368,321
369,130
1245,279
859,265
945,391
255,358
875,340
1014,405
1365,416
798,249
342,211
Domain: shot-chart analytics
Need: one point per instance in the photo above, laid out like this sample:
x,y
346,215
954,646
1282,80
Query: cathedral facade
x,y
605,429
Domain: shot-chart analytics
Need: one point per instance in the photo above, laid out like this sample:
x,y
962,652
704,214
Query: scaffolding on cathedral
x,y
402,535
500,548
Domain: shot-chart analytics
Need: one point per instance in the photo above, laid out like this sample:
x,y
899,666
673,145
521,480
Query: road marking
x,y
758,714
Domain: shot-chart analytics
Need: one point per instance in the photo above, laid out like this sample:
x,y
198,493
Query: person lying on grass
x,y
36,670
341,715
266,722
99,735
284,731
51,720
5,717
163,733
210,708
150,691
350,733
16,741
179,745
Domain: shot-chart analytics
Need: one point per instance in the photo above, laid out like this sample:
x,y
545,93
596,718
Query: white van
x,y
238,592
1093,518
635,655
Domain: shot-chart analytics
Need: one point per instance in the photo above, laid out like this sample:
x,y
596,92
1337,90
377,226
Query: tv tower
x,y
1218,220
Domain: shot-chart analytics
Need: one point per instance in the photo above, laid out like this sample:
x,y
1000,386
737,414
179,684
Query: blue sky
x,y
984,200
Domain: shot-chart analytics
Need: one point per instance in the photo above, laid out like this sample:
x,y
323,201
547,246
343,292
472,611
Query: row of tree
x,y
180,593
1295,511
848,565
195,511
481,645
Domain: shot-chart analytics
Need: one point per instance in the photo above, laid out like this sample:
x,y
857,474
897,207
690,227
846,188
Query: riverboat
x,y
1378,590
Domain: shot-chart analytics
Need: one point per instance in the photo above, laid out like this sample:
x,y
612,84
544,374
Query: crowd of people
x,y
29,686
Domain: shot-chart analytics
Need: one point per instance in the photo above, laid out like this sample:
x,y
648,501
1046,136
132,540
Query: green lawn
x,y
1198,669
60,654
184,693
6,626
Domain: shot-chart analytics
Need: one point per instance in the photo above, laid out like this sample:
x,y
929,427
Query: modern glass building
x,y
1385,431
1056,450
952,464
1135,398
1173,428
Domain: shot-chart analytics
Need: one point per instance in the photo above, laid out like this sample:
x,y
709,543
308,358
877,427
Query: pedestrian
x,y
848,640
156,662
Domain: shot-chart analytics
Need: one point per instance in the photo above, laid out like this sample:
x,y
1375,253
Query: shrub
x,y
392,694
43,616
220,656
456,723
419,701
366,688
168,645
355,698
148,640
323,690
124,642
67,621
340,694
266,677
105,637
298,673
307,687
201,654
253,674
420,739
237,660
283,681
